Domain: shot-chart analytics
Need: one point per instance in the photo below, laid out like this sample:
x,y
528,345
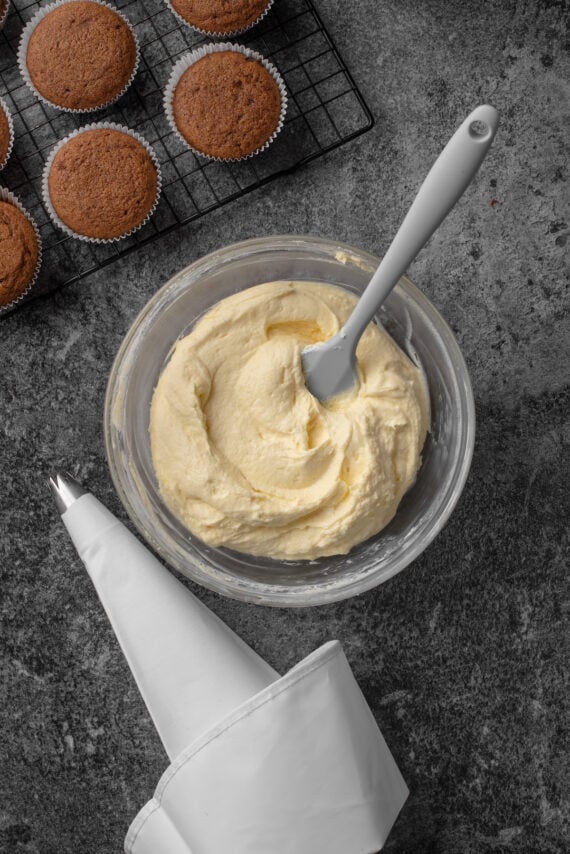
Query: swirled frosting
x,y
248,459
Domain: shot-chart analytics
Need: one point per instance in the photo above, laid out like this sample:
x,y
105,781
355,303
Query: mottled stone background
x,y
463,657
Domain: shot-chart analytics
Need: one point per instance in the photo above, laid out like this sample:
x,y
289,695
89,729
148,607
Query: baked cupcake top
x,y
19,253
81,55
3,10
102,183
226,105
220,17
5,136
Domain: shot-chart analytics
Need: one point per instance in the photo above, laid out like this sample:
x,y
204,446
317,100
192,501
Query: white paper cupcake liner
x,y
227,33
45,188
7,196
23,51
4,15
4,106
220,47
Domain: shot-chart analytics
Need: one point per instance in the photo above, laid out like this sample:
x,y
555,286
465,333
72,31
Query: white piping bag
x,y
260,764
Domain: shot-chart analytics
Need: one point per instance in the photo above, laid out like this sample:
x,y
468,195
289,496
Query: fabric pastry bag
x,y
260,764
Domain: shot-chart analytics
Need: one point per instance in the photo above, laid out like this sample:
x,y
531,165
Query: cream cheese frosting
x,y
248,459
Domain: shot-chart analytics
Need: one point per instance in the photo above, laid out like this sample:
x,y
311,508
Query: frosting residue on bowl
x,y
248,459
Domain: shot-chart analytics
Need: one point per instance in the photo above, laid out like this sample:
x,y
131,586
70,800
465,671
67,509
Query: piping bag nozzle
x,y
65,490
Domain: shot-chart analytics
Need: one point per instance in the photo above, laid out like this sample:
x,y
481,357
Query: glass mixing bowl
x,y
415,325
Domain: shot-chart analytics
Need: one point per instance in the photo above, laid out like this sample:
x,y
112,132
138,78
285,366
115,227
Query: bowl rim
x,y
264,593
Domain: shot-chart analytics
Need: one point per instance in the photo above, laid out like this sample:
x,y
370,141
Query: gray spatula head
x,y
330,368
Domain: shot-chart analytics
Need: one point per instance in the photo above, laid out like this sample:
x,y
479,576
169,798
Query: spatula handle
x,y
445,183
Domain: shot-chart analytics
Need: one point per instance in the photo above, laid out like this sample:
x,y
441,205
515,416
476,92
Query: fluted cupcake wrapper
x,y
189,59
8,196
8,114
45,187
216,35
23,51
4,15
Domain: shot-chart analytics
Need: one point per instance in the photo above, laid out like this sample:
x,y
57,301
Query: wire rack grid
x,y
325,110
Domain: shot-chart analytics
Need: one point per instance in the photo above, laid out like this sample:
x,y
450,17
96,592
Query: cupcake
x,y
225,101
6,134
101,183
20,250
4,9
220,17
78,55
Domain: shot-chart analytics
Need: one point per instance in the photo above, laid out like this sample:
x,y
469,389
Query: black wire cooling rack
x,y
325,110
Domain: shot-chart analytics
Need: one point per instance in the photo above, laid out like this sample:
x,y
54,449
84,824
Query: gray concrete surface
x,y
462,656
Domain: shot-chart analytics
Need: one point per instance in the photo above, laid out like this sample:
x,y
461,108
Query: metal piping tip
x,y
65,490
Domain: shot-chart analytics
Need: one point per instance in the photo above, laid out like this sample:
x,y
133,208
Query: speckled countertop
x,y
462,656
